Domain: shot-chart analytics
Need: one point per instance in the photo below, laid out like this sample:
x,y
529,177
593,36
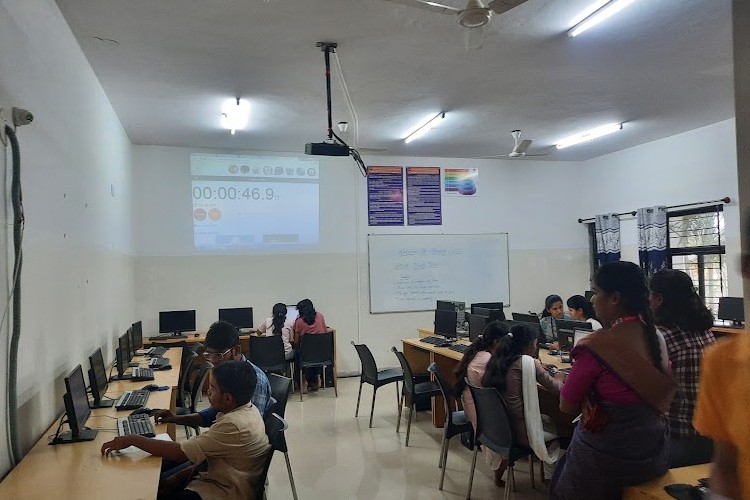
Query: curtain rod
x,y
723,200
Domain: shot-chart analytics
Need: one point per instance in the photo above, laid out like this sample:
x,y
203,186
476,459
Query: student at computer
x,y
309,321
581,309
233,447
278,324
472,367
620,382
223,345
553,309
685,322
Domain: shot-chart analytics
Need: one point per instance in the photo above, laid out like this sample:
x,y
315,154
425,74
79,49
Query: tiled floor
x,y
335,456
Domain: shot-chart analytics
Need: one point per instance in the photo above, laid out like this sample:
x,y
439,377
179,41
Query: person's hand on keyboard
x,y
116,444
165,417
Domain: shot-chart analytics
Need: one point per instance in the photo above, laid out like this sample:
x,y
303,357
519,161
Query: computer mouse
x,y
164,367
150,387
140,411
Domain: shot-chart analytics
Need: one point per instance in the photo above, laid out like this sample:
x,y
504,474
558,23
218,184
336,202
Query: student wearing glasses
x,y
223,344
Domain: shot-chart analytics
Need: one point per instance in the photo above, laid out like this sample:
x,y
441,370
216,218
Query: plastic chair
x,y
494,430
316,351
281,387
371,375
267,352
455,421
194,392
416,392
183,384
275,427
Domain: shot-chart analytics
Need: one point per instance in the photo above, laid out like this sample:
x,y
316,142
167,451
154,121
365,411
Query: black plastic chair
x,y
494,430
275,427
371,375
267,353
183,384
281,387
194,392
316,351
416,392
455,421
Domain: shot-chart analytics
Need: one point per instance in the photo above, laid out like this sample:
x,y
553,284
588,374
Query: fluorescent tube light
x,y
589,135
603,11
235,113
425,127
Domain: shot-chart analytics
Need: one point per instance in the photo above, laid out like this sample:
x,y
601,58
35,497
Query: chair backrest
x,y
445,389
494,428
267,352
369,367
281,387
275,427
408,375
198,386
316,349
184,383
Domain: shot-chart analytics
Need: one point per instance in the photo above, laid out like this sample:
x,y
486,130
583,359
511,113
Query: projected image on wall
x,y
254,202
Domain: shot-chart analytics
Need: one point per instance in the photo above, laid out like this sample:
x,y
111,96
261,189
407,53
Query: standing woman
x,y
309,322
553,309
620,384
685,321
277,324
581,309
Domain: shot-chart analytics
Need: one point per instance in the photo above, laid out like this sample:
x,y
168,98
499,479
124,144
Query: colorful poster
x,y
423,196
460,181
385,196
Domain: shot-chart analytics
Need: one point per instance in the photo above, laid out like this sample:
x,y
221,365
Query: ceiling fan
x,y
474,15
519,148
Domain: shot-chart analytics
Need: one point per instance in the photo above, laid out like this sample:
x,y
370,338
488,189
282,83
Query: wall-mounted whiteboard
x,y
411,272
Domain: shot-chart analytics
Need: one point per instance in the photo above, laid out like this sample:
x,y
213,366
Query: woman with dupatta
x,y
620,383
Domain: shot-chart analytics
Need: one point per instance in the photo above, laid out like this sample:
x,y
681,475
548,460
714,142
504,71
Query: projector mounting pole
x,y
327,48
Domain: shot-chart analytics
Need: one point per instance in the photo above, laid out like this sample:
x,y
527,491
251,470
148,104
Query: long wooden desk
x,y
721,331
79,471
655,489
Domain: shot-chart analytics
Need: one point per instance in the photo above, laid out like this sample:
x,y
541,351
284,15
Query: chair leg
x,y
408,422
471,472
444,457
291,477
508,484
400,408
300,385
531,471
372,407
442,444
542,473
335,382
359,395
323,376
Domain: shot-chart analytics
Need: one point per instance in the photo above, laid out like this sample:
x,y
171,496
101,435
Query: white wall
x,y
77,284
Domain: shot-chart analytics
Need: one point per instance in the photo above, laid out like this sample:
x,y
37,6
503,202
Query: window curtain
x,y
652,239
607,230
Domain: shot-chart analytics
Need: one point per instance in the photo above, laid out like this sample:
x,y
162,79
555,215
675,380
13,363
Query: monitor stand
x,y
107,403
84,435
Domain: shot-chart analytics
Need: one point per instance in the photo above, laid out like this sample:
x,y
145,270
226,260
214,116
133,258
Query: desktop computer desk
x,y
721,331
79,471
421,354
654,489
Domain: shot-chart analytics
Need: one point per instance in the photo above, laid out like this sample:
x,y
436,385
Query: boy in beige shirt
x,y
234,447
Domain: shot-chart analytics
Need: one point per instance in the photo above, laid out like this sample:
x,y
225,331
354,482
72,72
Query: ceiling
x,y
663,67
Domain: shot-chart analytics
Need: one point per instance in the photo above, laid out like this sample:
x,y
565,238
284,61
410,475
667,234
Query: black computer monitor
x,y
535,328
136,338
569,326
732,309
446,305
124,344
477,324
176,322
76,409
240,317
492,314
445,323
526,318
98,380
589,294
131,343
122,355
486,305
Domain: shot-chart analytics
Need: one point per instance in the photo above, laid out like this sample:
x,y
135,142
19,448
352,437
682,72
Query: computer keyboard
x,y
136,424
140,374
433,340
462,348
156,351
130,400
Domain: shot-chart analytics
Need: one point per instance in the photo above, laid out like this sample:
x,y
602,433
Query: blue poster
x,y
385,196
423,196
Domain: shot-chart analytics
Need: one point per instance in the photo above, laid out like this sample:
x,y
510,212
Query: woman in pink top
x,y
309,322
472,367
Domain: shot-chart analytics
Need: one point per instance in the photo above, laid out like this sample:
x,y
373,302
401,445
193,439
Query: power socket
x,y
13,117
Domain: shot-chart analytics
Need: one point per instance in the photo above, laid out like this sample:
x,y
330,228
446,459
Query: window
x,y
696,246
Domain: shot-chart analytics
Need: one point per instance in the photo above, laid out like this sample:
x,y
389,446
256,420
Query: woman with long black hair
x,y
309,322
277,324
581,309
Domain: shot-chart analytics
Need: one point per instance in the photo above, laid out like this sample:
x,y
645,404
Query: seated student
x,y
278,324
233,447
553,309
472,366
581,309
309,321
685,321
620,382
223,345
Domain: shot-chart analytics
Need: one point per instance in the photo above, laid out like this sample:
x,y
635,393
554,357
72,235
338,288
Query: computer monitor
x,y
445,323
569,326
131,344
176,322
241,317
526,318
535,328
98,380
454,305
492,314
477,324
124,343
486,305
122,355
732,309
76,409
565,340
291,312
136,338
580,334
589,294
